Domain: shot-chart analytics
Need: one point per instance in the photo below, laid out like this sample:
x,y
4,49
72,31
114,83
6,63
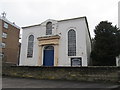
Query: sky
x,y
31,12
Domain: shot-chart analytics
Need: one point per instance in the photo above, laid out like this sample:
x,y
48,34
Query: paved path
x,y
8,82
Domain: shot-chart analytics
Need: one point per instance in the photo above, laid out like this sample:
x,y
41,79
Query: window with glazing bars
x,y
49,28
30,46
71,43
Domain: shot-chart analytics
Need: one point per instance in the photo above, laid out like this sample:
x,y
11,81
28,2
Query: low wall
x,y
98,74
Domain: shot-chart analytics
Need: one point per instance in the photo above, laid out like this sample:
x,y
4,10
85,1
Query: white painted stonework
x,y
59,28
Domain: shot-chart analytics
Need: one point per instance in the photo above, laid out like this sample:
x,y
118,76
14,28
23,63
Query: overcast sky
x,y
30,12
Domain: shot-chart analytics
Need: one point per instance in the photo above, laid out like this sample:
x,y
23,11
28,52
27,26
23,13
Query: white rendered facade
x,y
59,40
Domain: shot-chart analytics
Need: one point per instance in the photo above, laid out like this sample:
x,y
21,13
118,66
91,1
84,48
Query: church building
x,y
56,43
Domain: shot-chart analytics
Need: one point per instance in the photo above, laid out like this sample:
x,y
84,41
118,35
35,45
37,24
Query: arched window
x,y
30,46
71,43
49,28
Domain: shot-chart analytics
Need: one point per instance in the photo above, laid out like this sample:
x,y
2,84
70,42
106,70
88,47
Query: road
x,y
8,82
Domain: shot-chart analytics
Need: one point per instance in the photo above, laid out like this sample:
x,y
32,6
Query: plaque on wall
x,y
119,62
76,62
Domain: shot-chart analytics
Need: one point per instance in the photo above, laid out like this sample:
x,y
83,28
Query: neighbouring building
x,y
0,54
9,41
1,39
56,43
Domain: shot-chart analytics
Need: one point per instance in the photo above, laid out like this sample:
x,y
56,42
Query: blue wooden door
x,y
48,59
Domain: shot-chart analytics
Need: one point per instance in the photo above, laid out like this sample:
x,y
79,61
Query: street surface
x,y
9,82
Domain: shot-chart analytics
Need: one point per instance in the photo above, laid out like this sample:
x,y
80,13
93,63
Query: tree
x,y
106,44
118,41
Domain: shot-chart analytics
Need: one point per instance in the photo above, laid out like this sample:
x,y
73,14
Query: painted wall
x,y
0,35
60,28
79,26
24,43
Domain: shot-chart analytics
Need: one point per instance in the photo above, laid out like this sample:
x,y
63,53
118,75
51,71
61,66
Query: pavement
x,y
10,82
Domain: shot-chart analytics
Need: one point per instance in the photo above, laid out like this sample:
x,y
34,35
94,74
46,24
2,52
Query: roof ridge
x,y
56,20
6,20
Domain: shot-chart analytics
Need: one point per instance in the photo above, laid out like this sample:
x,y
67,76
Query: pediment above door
x,y
49,40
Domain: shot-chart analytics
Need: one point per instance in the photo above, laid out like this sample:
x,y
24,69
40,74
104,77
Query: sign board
x,y
118,61
76,62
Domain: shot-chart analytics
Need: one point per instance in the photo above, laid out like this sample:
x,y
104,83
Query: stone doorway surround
x,y
48,40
